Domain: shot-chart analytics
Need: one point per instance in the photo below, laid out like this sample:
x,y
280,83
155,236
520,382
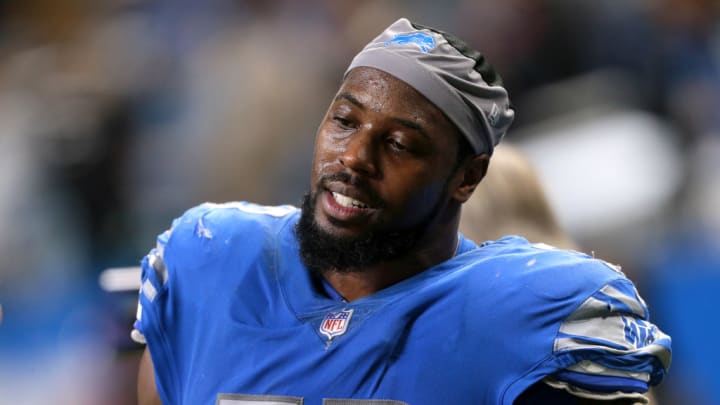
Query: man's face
x,y
383,156
393,149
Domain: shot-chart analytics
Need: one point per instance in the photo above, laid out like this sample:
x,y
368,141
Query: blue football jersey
x,y
232,316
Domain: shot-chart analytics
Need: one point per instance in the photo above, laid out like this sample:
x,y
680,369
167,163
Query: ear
x,y
469,175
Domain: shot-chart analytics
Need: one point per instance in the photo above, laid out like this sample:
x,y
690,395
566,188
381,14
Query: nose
x,y
359,154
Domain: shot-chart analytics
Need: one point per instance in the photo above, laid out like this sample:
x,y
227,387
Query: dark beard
x,y
321,251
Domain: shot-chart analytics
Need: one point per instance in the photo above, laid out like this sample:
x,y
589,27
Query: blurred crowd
x,y
117,115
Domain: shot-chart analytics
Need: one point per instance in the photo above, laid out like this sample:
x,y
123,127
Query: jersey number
x,y
237,399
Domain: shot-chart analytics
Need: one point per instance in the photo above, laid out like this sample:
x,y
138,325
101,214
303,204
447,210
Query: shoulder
x,y
533,289
208,219
211,231
541,269
204,241
603,343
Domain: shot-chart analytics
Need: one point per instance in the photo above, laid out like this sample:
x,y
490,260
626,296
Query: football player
x,y
367,294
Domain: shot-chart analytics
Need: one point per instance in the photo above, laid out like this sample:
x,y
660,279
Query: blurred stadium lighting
x,y
605,170
116,279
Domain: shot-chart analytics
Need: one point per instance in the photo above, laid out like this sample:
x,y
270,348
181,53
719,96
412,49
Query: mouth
x,y
348,202
345,202
343,210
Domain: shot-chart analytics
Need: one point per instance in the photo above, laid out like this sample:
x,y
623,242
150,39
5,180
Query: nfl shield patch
x,y
335,323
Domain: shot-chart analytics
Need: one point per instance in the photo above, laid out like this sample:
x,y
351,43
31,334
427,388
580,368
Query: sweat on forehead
x,y
455,78
385,85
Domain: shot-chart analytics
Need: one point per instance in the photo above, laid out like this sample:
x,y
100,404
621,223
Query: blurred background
x,y
117,115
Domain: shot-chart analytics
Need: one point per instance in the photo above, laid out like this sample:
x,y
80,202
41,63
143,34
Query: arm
x,y
151,307
147,392
611,352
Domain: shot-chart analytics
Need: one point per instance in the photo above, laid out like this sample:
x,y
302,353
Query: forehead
x,y
384,93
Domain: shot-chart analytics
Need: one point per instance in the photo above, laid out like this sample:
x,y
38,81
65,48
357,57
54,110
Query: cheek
x,y
328,145
428,195
415,198
324,156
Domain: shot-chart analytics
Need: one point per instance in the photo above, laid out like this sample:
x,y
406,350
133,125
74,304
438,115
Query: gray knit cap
x,y
454,77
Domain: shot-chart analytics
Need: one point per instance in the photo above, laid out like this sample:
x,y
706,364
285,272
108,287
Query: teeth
x,y
348,202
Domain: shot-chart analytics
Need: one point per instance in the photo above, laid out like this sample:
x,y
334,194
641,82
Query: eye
x,y
396,145
342,122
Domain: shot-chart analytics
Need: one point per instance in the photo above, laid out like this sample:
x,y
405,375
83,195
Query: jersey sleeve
x,y
158,318
185,249
611,348
153,280
154,275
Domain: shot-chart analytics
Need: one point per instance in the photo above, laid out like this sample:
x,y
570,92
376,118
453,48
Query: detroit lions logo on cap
x,y
335,323
422,40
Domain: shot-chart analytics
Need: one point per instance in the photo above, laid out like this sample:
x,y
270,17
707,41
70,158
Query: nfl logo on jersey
x,y
335,323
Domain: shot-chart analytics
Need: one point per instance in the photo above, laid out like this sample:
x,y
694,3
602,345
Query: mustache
x,y
357,182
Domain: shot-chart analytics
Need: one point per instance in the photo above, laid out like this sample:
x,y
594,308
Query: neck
x,y
439,245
